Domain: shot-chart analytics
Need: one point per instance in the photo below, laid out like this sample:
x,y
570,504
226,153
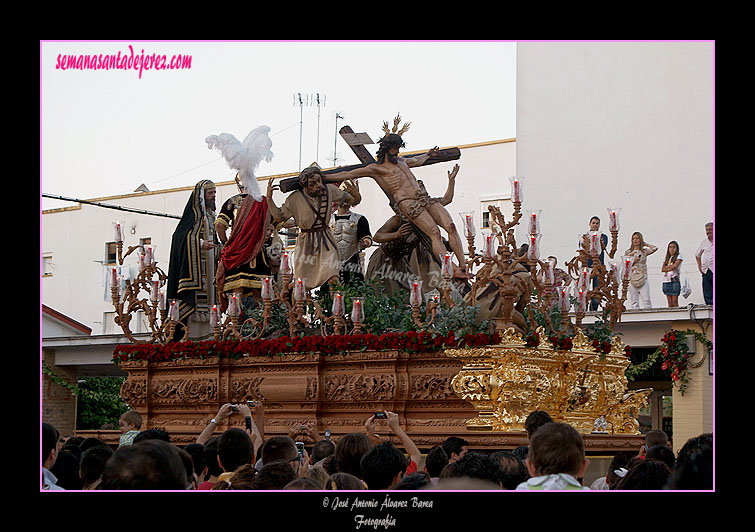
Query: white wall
x,y
628,125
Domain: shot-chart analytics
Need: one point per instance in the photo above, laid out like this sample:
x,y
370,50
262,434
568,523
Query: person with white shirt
x,y
704,256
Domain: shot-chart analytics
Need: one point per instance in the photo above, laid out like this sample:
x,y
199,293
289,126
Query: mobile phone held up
x,y
380,415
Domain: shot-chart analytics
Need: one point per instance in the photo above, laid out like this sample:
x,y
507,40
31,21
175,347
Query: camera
x,y
251,404
327,434
300,448
234,408
380,415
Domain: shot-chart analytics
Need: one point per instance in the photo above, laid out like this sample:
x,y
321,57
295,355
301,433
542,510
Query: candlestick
x,y
584,278
267,289
155,290
595,245
173,312
627,261
415,296
214,316
563,298
613,219
118,226
337,307
488,249
550,273
582,300
516,189
533,252
285,263
161,300
300,293
467,217
534,222
357,310
447,270
233,305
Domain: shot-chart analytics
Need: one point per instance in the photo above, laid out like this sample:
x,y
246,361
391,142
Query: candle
x,y
615,270
550,266
516,189
173,314
584,278
447,266
148,256
627,273
114,277
563,299
337,307
300,292
468,218
118,226
155,290
613,219
233,305
357,312
415,296
488,248
285,264
534,250
161,300
267,289
534,222
582,300
214,316
595,246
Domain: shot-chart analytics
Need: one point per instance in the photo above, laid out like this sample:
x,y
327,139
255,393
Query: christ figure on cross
x,y
393,174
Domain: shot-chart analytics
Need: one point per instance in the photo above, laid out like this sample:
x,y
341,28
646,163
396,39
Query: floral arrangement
x,y
411,341
674,356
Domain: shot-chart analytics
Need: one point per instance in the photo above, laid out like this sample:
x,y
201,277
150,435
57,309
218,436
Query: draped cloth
x,y
188,279
245,242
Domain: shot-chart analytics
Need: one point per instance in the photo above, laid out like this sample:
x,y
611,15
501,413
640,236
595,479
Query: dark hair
x,y
148,465
389,141
694,465
50,437
521,452
656,437
436,460
478,466
304,484
594,218
88,443
512,470
93,463
556,448
619,460
211,457
235,449
670,259
152,434
414,481
662,453
196,451
278,448
535,420
344,481
380,465
645,475
454,444
242,479
349,452
274,475
66,469
322,449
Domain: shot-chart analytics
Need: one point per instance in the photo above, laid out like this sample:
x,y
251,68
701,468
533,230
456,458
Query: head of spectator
x,y
512,469
241,479
92,464
480,467
645,475
152,434
196,451
90,442
274,475
318,473
283,448
694,465
191,476
618,468
72,440
66,468
50,437
349,451
211,462
383,466
147,465
322,449
344,482
435,461
415,481
235,449
535,420
662,453
303,484
556,448
521,452
329,464
455,447
654,437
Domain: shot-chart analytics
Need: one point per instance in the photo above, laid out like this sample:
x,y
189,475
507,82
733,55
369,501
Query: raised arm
x,y
409,445
275,211
345,175
419,160
449,195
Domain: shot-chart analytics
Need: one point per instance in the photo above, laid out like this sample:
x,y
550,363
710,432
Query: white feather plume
x,y
245,156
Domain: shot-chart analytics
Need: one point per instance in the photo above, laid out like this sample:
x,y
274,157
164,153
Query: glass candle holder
x,y
357,310
415,293
516,189
613,219
337,306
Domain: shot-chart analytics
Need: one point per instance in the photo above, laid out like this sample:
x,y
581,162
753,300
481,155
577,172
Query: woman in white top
x,y
638,285
671,266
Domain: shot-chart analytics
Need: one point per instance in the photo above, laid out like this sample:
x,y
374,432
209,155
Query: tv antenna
x,y
301,101
335,144
317,100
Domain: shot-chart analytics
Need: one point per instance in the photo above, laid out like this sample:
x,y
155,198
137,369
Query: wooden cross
x,y
356,142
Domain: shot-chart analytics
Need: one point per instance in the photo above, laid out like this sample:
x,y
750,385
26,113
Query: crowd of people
x,y
243,459
672,284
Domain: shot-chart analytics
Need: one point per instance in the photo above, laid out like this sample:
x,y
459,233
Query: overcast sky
x,y
106,132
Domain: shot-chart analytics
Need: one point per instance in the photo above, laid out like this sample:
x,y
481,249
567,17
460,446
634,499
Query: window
x,y
111,253
290,236
47,265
